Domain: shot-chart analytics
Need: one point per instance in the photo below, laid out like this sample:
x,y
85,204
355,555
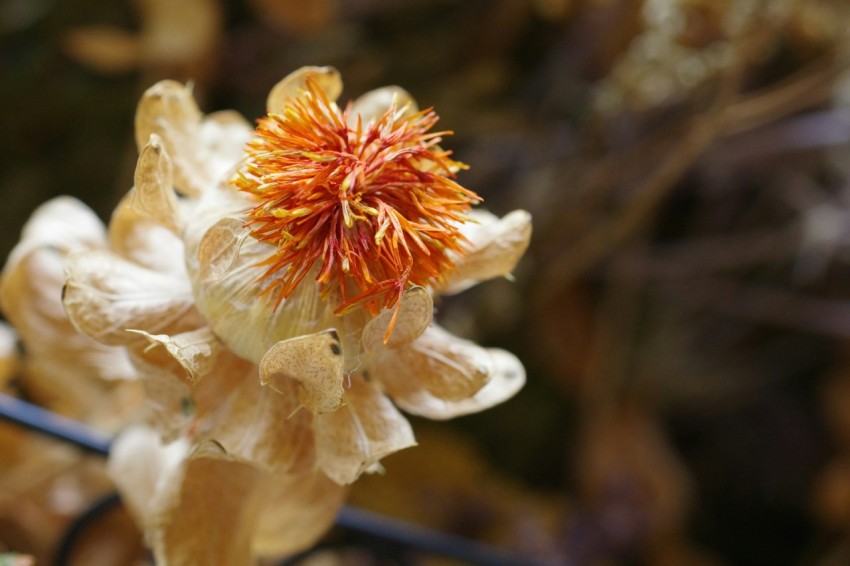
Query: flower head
x,y
375,204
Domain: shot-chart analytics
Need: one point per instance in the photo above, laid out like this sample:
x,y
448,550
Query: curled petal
x,y
139,238
299,510
140,465
375,103
400,325
315,362
507,379
496,247
225,273
62,363
63,223
105,295
224,135
255,423
153,195
327,78
168,394
352,439
196,505
169,110
438,363
196,351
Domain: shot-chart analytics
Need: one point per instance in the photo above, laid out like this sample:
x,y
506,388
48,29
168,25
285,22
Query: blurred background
x,y
683,311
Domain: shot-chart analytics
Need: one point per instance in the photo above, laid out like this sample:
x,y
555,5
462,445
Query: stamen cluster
x,y
375,206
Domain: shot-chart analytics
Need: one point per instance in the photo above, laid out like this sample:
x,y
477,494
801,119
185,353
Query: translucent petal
x,y
507,379
354,438
375,103
496,247
315,362
229,291
169,110
144,241
105,295
153,195
293,84
439,363
413,316
299,510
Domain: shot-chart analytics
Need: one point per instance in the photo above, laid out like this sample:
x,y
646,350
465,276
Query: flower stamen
x,y
374,205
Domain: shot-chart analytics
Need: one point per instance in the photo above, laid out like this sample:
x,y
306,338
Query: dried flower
x,y
281,308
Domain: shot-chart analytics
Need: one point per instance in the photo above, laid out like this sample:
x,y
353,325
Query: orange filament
x,y
375,205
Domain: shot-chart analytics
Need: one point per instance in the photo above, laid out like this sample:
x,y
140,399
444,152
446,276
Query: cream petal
x,y
105,295
63,223
168,394
294,84
413,315
141,465
352,439
194,377
496,247
299,510
314,361
30,297
206,512
137,237
153,195
375,103
443,365
507,379
169,110
196,351
230,292
257,424
225,134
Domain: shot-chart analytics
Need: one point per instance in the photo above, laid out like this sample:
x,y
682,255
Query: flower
x,y
273,290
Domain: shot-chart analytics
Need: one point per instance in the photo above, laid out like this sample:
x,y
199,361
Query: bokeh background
x,y
683,311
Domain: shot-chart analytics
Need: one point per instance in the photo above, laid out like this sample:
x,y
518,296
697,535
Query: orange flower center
x,y
375,206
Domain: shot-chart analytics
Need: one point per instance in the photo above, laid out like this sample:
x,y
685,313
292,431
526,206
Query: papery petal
x,y
192,379
224,134
63,223
507,379
375,103
438,362
168,394
153,195
30,295
299,510
313,361
141,466
415,312
211,518
352,439
196,351
496,246
295,83
143,240
169,110
105,295
257,424
228,291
